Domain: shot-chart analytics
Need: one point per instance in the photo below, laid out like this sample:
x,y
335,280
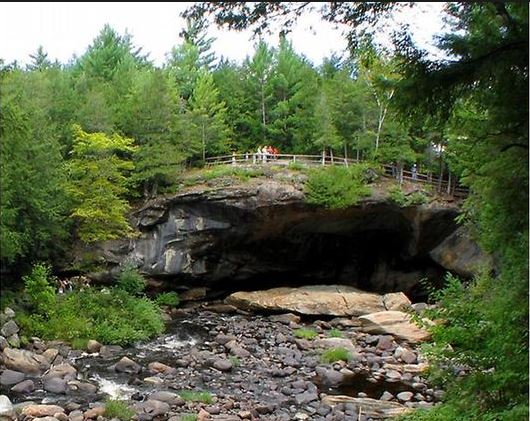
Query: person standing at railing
x,y
414,171
264,153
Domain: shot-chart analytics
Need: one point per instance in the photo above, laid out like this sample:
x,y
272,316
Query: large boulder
x,y
460,254
332,300
373,408
396,323
25,361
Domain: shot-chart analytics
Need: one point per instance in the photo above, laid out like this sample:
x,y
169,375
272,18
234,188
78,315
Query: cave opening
x,y
372,260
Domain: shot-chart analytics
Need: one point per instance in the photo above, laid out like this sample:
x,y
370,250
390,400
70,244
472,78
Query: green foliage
x,y
188,417
131,281
168,299
39,289
97,177
403,200
305,333
335,333
196,396
336,187
111,317
236,362
335,354
222,171
118,409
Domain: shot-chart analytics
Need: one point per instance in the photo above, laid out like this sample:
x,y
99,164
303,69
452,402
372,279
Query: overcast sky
x,y
65,29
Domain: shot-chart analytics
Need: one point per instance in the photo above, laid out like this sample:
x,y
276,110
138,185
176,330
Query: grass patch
x,y
118,409
188,417
222,171
196,396
335,354
236,362
335,333
305,333
337,187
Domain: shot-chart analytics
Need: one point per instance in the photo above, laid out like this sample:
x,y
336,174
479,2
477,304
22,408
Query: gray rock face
x,y
460,254
265,227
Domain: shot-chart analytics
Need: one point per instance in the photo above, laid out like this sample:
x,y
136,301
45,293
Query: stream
x,y
247,363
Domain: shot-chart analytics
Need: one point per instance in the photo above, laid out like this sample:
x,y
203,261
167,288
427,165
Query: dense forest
x,y
81,142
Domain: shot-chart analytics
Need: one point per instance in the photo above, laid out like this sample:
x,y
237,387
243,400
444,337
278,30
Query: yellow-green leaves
x,y
97,174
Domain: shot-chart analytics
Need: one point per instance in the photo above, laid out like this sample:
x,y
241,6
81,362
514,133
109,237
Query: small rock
x,y
93,346
9,312
6,408
164,396
50,354
94,412
405,396
222,365
156,367
9,328
26,386
285,318
126,365
245,415
54,385
385,342
10,377
41,410
386,396
3,343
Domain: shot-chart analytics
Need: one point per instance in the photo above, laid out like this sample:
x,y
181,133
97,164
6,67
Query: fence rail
x,y
449,185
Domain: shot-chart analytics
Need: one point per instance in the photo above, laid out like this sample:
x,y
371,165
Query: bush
x,y
39,290
397,196
335,354
113,317
118,409
131,281
168,299
196,396
337,187
305,333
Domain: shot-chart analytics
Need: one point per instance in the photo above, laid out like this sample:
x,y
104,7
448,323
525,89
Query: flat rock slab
x,y
394,323
331,300
370,407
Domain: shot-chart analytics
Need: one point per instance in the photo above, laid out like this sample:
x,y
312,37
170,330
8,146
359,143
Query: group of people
x,y
266,152
396,171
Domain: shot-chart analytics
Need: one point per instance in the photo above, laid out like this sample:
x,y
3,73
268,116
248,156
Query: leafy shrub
x,y
39,290
305,333
113,317
336,187
335,354
168,299
196,396
131,281
118,409
397,195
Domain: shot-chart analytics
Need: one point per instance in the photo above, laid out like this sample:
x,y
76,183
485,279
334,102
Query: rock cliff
x,y
261,233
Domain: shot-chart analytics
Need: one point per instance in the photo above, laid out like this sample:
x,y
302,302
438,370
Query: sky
x,y
67,29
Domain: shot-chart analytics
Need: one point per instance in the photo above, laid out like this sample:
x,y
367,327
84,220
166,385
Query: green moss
x,y
335,333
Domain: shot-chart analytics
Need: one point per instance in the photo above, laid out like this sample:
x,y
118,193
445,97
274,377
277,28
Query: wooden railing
x,y
449,185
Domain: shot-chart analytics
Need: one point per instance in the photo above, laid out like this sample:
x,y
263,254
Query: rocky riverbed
x,y
251,366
